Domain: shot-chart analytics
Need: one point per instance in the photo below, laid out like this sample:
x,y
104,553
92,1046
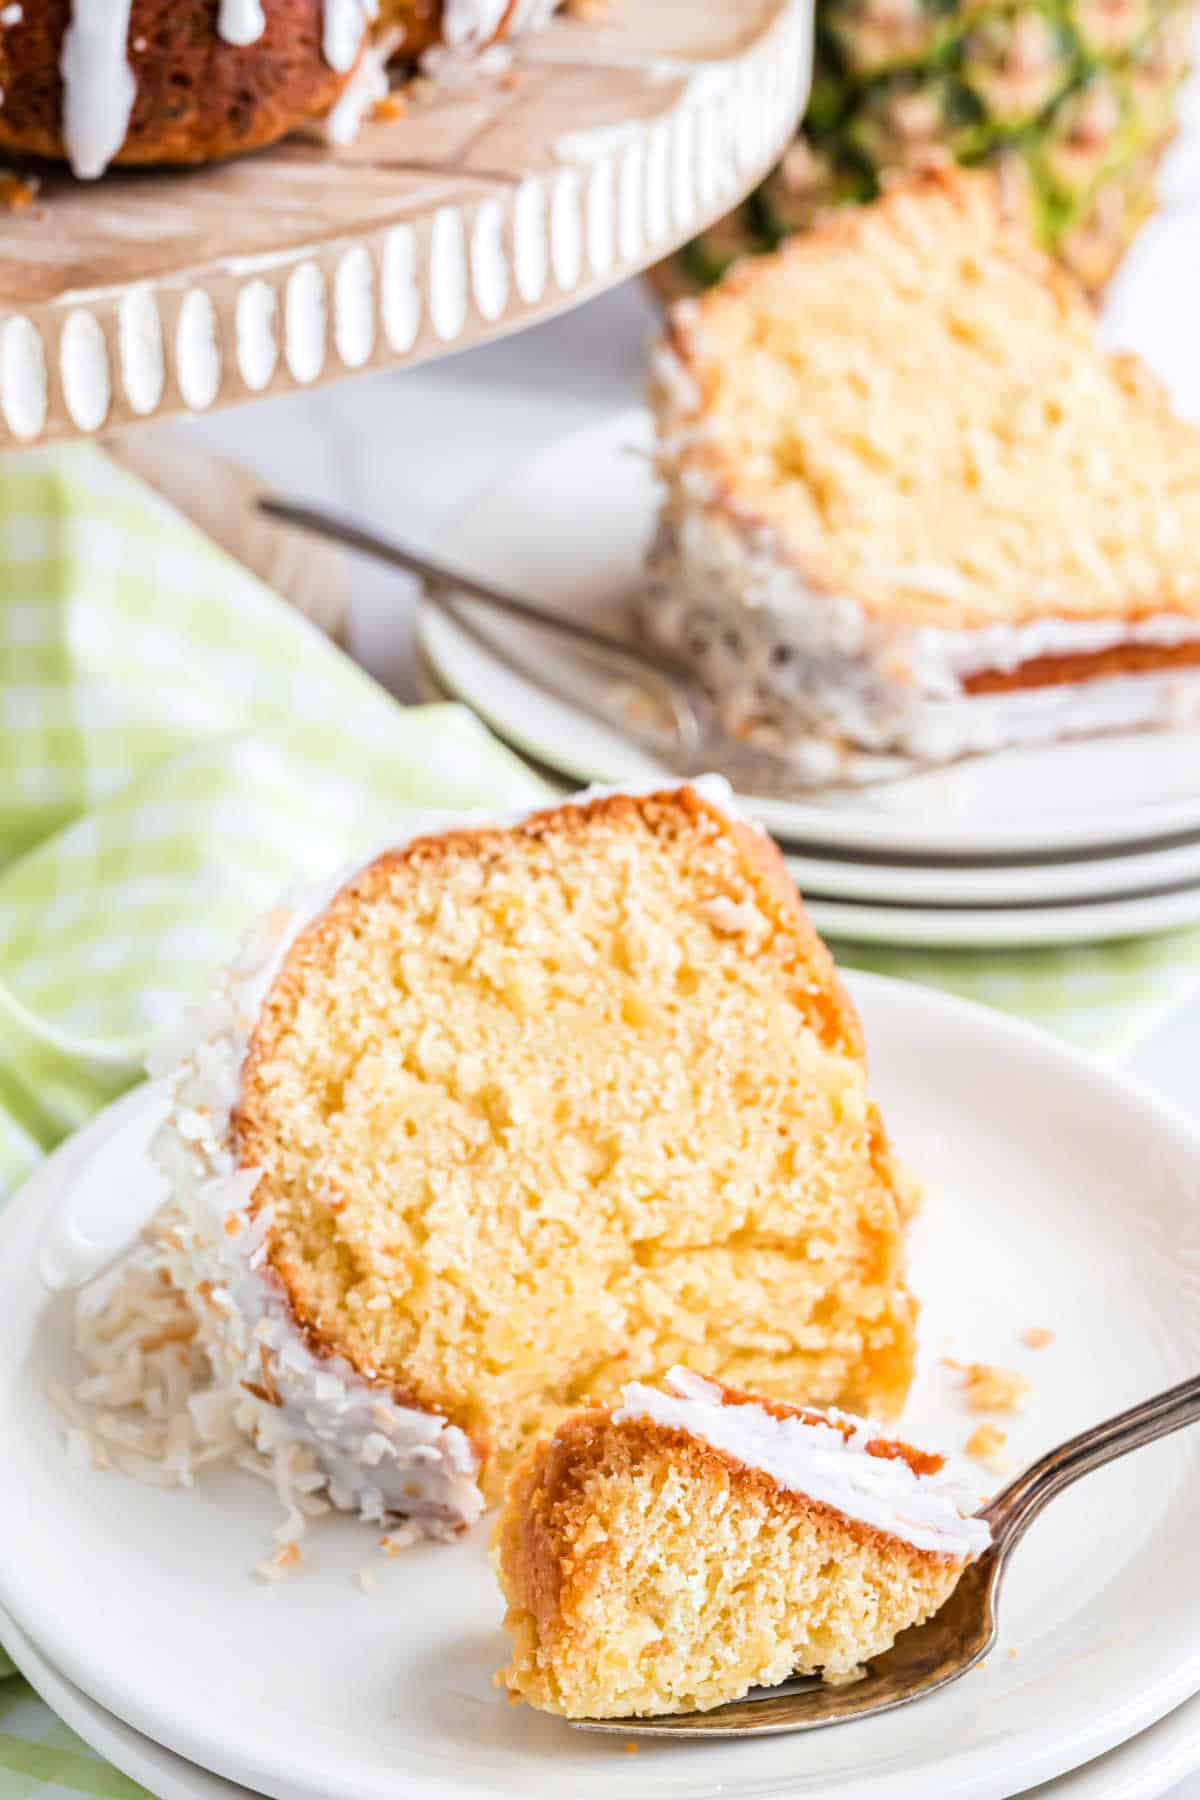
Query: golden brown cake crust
x,y
198,97
546,1503
818,992
1094,665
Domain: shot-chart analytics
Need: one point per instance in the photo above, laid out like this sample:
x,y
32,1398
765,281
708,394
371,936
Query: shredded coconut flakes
x,y
147,1403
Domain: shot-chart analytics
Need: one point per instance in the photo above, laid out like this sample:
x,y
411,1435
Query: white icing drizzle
x,y
817,1460
378,1456
99,88
98,84
366,87
469,24
473,24
241,21
345,26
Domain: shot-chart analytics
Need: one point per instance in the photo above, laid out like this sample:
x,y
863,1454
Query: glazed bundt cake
x,y
519,1113
671,1553
913,508
183,81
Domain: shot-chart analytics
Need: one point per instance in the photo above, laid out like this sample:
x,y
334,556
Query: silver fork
x,y
692,742
929,1657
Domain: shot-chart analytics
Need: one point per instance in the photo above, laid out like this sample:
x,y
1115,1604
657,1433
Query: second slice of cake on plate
x,y
913,509
670,1553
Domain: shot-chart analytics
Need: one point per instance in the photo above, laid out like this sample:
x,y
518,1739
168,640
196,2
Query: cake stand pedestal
x,y
477,211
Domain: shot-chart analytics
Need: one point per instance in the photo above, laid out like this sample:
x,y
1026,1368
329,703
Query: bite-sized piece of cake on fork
x,y
912,508
670,1553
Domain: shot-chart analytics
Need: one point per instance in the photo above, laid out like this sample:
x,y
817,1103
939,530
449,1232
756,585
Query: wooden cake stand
x,y
477,211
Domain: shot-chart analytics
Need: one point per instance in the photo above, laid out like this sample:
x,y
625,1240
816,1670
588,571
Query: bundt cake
x,y
518,1113
671,1553
913,509
186,81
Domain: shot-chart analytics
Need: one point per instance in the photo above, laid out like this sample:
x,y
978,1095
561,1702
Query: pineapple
x,y
1071,101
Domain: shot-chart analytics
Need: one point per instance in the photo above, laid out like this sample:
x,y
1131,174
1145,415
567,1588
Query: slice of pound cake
x,y
519,1112
913,509
694,1542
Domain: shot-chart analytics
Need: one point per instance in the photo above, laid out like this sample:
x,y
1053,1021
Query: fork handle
x,y
1014,1509
442,581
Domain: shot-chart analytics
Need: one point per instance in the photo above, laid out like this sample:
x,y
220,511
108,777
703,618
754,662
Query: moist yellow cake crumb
x,y
1037,1337
987,1445
987,1387
281,1562
545,1107
911,405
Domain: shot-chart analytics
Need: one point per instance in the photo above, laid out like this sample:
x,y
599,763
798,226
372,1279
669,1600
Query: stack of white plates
x,y
1077,842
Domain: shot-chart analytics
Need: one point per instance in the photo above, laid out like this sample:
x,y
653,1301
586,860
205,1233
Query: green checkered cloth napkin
x,y
176,746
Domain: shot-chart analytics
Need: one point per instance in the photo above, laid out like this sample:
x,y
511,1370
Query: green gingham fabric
x,y
41,1756
176,746
1101,997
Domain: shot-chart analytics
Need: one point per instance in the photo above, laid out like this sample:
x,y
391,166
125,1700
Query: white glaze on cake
x,y
98,85
345,25
473,24
816,1460
379,1456
843,695
99,88
365,89
241,21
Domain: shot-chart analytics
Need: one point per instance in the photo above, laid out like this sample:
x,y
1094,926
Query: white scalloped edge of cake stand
x,y
467,253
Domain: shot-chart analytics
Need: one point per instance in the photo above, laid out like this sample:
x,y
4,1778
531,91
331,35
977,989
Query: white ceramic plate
x,y
1075,878
1057,1196
571,528
986,906
1143,1768
1010,927
166,1775
858,876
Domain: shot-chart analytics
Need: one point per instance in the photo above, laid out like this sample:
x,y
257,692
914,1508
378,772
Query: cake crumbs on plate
x,y
1037,1337
392,106
367,1580
987,1445
16,191
282,1563
987,1387
402,1538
